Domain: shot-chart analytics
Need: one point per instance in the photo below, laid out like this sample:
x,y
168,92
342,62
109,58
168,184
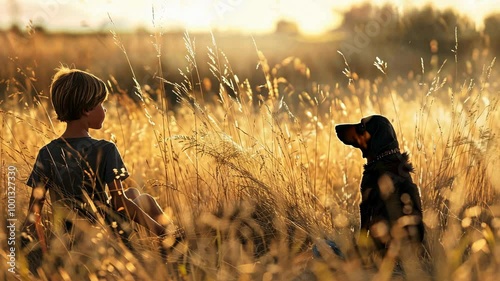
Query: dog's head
x,y
373,135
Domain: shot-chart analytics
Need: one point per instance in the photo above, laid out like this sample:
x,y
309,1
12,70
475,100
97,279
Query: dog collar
x,y
384,154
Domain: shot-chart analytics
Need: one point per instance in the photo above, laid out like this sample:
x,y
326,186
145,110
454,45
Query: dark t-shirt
x,y
67,167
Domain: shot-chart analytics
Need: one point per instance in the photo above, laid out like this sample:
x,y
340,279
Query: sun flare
x,y
257,16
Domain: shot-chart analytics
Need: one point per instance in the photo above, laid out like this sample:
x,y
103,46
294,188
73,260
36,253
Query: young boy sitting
x,y
76,168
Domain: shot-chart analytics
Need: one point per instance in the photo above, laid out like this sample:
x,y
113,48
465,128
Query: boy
x,y
76,168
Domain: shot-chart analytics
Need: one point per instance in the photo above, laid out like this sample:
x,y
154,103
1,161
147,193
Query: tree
x,y
491,30
287,27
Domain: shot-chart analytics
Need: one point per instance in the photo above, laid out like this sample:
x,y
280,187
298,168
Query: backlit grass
x,y
253,187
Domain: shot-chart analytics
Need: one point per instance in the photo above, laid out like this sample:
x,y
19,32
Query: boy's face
x,y
96,116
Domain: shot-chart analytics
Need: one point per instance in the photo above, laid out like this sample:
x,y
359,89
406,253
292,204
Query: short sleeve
x,y
114,166
38,176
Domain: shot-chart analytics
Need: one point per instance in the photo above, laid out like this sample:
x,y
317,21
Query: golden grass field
x,y
253,188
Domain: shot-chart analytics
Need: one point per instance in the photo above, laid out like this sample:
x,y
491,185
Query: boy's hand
x,y
26,239
33,230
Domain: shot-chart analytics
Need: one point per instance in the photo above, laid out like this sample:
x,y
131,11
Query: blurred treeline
x,y
406,40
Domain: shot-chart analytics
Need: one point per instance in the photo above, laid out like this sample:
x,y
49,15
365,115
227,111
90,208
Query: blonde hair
x,y
74,92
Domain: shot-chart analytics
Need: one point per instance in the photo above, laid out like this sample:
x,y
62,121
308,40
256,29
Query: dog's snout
x,y
344,133
339,129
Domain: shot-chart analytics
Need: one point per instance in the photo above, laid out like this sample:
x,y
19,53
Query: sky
x,y
255,16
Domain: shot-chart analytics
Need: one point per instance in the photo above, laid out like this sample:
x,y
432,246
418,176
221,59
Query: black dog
x,y
391,206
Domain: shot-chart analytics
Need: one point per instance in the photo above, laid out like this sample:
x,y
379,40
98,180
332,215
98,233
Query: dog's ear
x,y
383,136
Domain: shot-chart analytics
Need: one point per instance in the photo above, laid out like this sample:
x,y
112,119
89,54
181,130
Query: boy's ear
x,y
85,113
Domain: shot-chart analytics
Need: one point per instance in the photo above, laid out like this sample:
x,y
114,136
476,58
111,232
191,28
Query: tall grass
x,y
253,187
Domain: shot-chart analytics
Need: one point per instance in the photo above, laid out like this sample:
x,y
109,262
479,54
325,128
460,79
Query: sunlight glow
x,y
256,16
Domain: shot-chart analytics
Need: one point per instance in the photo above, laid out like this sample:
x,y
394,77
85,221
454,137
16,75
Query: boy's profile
x,y
76,169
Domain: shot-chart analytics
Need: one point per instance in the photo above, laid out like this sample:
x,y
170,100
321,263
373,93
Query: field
x,y
249,167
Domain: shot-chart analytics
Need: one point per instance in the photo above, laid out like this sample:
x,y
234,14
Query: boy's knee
x,y
132,193
145,201
145,198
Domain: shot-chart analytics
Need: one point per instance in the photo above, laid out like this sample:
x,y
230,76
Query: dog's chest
x,y
377,181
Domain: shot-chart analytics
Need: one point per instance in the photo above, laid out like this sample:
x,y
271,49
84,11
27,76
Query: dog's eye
x,y
360,128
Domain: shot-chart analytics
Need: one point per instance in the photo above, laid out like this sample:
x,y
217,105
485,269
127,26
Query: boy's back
x,y
67,167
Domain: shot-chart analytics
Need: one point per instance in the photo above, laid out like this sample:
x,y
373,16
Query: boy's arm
x,y
37,200
121,203
32,224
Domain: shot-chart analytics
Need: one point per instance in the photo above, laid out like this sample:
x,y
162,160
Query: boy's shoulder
x,y
78,144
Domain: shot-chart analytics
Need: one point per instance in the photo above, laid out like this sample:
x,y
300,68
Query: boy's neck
x,y
75,129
